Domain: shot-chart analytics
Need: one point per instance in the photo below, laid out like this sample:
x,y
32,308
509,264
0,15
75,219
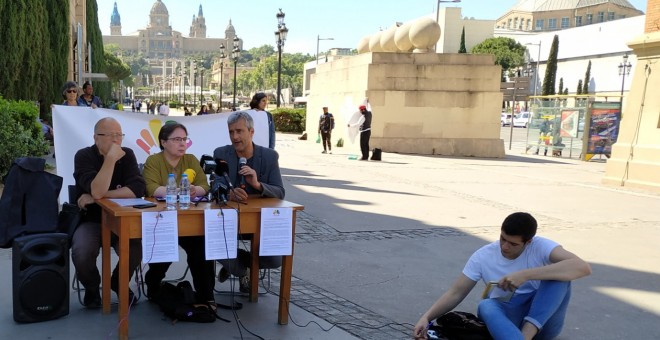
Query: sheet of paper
x,y
160,237
276,231
127,202
221,231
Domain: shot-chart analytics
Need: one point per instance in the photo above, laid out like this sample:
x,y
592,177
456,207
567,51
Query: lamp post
x,y
194,71
538,62
624,70
317,46
222,67
235,54
280,38
201,85
437,17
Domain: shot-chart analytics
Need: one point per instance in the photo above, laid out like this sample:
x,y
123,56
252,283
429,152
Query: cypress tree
x,y
94,37
551,69
587,79
561,86
579,87
58,22
462,49
13,37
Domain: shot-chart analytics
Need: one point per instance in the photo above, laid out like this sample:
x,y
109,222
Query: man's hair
x,y
167,130
68,85
86,85
101,121
520,224
234,117
254,103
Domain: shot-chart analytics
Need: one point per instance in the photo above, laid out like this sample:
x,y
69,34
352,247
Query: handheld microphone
x,y
191,175
241,163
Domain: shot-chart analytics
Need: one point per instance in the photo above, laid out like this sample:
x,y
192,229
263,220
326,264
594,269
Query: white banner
x,y
74,130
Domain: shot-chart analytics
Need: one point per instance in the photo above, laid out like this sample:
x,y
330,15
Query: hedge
x,y
289,120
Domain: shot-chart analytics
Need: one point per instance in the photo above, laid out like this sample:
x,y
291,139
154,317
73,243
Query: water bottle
x,y
184,193
170,196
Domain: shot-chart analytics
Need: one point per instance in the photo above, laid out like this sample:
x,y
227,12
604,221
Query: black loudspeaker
x,y
40,269
376,154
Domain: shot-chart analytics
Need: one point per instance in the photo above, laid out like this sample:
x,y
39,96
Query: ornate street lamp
x,y
201,84
222,67
624,70
235,54
280,38
194,73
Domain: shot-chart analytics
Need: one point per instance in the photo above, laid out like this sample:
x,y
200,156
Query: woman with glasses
x,y
70,94
173,159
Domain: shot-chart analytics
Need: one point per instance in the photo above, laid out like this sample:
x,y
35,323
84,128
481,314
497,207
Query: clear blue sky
x,y
347,21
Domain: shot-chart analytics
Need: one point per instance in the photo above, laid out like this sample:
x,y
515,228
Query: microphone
x,y
191,175
221,169
241,163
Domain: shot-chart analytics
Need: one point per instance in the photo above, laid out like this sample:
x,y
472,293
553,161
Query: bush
x,y
289,120
20,132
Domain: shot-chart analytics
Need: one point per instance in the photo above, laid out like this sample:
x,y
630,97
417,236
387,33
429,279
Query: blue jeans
x,y
545,309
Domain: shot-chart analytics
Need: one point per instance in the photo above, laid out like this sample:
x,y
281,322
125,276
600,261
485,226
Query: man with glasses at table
x,y
103,170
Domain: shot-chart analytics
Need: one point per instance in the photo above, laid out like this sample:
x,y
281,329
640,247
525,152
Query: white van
x,y
522,119
505,118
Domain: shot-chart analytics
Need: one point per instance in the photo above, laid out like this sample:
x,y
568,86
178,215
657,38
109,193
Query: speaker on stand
x,y
40,277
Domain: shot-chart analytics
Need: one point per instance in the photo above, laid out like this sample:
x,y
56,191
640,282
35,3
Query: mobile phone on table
x,y
144,206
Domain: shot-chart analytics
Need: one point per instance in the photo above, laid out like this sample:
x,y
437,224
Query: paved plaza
x,y
378,242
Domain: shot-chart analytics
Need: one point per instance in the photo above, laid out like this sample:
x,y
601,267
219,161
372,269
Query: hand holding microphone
x,y
241,180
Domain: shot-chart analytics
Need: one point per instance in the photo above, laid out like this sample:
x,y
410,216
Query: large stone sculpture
x,y
424,33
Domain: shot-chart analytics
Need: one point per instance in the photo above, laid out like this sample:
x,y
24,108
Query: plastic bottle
x,y
184,193
170,196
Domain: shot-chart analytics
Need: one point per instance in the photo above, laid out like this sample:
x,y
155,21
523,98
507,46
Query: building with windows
x,y
553,15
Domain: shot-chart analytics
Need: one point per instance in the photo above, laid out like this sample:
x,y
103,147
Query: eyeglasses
x,y
71,91
112,135
178,139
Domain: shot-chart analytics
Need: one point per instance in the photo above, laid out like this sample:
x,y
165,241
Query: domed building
x,y
159,41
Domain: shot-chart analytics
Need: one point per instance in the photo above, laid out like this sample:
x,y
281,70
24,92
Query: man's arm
x,y
448,301
565,266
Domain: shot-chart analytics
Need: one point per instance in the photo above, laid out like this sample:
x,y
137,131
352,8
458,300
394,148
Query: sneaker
x,y
223,275
330,152
244,284
132,299
92,299
324,151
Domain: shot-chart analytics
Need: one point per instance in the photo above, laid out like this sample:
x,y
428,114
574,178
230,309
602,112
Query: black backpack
x,y
459,326
178,303
29,200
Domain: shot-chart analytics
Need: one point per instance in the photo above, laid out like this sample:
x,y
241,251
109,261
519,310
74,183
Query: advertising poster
x,y
603,127
569,123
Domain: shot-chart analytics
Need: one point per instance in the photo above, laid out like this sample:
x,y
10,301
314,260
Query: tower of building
x,y
198,26
115,22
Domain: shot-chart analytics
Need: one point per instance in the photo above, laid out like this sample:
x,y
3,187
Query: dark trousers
x,y
364,143
326,139
200,269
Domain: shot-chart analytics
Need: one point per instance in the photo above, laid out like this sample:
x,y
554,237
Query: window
x,y
529,25
552,24
578,21
515,23
601,16
539,25
622,16
508,24
590,19
564,22
610,16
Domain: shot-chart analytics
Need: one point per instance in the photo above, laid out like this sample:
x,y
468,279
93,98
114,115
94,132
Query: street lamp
x,y
280,38
317,46
624,70
201,84
437,17
194,75
222,67
538,61
235,54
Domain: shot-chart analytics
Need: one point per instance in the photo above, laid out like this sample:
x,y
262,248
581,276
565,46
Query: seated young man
x,y
537,271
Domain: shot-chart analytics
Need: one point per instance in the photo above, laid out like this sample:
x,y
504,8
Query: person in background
x,y
211,109
164,109
186,111
365,131
262,179
88,98
70,94
203,110
173,159
103,170
259,102
533,277
326,124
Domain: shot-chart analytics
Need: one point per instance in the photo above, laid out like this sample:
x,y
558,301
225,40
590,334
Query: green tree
x,y
58,27
587,79
95,39
462,48
579,87
561,86
508,53
551,69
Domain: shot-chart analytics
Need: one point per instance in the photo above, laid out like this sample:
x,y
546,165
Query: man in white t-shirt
x,y
532,276
164,110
